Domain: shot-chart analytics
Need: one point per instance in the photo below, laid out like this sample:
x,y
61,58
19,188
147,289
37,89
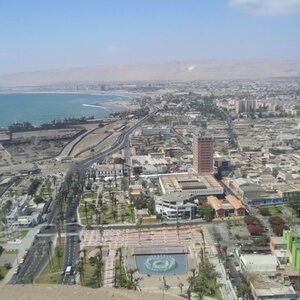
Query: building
x,y
242,106
278,248
108,170
148,131
270,287
196,185
239,209
203,150
175,206
258,263
222,166
217,206
228,207
292,238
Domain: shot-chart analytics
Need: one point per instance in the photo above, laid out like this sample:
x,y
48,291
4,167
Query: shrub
x,y
255,229
7,266
276,220
265,211
278,229
251,220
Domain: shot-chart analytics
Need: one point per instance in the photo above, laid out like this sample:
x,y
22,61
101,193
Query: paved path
x,y
226,287
22,247
109,271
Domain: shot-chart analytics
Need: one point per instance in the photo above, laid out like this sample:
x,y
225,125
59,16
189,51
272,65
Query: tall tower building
x,y
203,150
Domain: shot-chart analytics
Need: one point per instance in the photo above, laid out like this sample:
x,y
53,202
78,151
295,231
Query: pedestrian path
x,y
109,270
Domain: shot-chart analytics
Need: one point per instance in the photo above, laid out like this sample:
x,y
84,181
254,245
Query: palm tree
x,y
189,293
80,268
193,270
49,248
101,233
139,225
58,255
130,275
84,251
58,231
177,224
120,259
30,276
180,285
86,212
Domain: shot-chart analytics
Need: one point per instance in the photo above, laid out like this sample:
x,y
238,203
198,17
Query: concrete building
x,y
108,170
239,209
245,106
258,263
203,150
231,206
175,205
292,238
190,184
217,206
148,131
270,287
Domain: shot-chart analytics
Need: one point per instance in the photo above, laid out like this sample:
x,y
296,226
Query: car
x,y
69,270
72,281
17,270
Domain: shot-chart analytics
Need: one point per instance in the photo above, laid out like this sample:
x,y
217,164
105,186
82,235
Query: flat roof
x,y
266,286
259,259
186,182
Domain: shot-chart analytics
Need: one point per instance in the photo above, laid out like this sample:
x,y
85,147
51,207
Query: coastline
x,y
113,103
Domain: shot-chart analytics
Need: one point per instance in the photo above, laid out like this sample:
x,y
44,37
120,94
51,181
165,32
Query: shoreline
x,y
120,104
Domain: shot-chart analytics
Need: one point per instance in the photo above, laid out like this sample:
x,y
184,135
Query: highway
x,y
40,250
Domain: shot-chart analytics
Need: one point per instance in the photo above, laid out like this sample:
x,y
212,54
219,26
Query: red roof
x,y
237,204
215,202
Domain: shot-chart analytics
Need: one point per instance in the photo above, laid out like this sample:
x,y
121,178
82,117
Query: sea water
x,y
38,108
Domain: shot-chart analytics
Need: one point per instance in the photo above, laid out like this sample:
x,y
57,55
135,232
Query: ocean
x,y
38,108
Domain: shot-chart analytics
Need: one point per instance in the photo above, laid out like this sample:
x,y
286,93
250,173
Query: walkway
x,y
226,287
109,270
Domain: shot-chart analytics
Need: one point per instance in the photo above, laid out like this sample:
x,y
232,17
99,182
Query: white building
x,y
188,184
107,170
258,263
175,205
147,131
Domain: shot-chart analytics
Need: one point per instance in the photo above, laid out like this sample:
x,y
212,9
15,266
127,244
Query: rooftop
x,y
271,286
187,182
234,202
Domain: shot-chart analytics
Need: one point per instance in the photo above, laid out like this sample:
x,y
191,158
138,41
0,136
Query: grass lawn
x,y
51,273
89,279
22,234
90,195
10,251
271,210
127,213
3,272
106,215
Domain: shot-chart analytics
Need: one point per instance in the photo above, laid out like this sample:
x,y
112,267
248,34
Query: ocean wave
x,y
94,105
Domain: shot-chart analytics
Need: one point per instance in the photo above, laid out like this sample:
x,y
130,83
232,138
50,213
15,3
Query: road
x,y
40,250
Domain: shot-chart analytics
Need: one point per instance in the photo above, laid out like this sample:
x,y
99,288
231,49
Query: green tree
x,y
206,211
38,199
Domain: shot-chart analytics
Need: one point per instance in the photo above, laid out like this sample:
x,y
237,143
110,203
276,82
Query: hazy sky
x,y
44,34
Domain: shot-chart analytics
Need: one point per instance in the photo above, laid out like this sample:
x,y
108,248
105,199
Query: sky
x,y
50,34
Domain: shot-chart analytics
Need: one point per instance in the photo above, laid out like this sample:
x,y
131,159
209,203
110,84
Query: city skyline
x,y
50,35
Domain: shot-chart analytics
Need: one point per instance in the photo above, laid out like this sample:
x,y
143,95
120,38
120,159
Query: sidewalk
x,y
226,287
25,245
